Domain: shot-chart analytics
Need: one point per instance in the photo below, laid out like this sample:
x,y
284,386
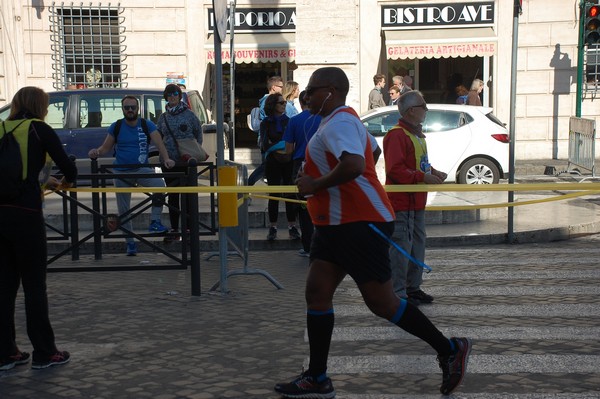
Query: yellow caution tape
x,y
581,189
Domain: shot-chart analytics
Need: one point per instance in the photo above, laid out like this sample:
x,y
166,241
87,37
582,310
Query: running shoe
x,y
60,357
173,235
14,360
421,296
294,233
306,386
454,367
303,253
157,227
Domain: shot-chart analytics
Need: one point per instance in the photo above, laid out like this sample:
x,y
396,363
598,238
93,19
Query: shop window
x,y
592,69
88,46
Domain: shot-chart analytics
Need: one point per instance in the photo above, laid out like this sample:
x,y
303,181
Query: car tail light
x,y
503,137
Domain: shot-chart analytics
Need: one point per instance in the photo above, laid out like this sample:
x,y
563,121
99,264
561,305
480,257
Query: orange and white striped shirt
x,y
362,199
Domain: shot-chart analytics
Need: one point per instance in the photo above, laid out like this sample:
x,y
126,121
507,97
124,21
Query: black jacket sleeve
x,y
50,143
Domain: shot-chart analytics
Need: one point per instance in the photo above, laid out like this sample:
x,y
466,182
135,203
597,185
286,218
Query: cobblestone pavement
x,y
532,310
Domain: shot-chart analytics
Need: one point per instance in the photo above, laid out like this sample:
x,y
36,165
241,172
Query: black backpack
x,y
11,166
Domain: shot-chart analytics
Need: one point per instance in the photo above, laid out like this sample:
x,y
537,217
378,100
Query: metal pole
x,y
232,80
192,200
96,207
220,133
580,55
512,135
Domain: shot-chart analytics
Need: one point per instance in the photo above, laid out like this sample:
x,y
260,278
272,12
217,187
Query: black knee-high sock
x,y
320,327
412,320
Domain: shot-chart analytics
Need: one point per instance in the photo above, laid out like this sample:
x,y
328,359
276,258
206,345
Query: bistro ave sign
x,y
410,16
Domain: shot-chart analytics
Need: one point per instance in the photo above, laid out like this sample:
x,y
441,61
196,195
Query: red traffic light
x,y
593,11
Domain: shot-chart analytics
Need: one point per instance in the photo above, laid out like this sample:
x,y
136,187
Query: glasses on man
x,y
173,93
129,107
310,90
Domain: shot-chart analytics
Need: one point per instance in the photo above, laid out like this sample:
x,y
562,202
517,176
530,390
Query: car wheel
x,y
479,171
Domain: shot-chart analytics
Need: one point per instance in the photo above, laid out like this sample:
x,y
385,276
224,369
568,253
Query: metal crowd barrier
x,y
190,246
582,136
237,237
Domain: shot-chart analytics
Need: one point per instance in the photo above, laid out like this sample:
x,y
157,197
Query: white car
x,y
467,142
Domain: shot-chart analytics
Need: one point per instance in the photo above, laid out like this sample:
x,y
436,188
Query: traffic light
x,y
591,34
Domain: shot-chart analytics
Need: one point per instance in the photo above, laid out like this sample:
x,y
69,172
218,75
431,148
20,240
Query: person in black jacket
x,y
278,164
23,236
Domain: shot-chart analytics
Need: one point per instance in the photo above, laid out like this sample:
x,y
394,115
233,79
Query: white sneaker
x,y
303,253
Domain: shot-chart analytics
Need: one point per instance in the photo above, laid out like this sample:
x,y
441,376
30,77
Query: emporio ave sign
x,y
473,14
259,19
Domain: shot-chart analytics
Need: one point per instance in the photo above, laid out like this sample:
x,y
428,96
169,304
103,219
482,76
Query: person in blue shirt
x,y
131,147
297,134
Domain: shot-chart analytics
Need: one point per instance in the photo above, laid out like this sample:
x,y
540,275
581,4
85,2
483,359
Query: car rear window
x,y
494,119
438,120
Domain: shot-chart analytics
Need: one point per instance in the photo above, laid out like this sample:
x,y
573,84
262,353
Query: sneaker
x,y
60,357
7,364
454,367
157,227
420,296
305,386
303,253
131,249
173,235
294,233
272,233
15,360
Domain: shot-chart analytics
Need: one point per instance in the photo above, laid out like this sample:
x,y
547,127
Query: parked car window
x,y
197,106
379,125
98,110
153,107
494,119
442,120
57,112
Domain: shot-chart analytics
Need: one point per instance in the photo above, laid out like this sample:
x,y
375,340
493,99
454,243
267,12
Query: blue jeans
x,y
409,233
124,199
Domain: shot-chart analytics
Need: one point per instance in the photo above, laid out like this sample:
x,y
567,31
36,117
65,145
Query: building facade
x,y
436,44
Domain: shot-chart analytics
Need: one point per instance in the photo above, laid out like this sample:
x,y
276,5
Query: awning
x,y
440,43
248,47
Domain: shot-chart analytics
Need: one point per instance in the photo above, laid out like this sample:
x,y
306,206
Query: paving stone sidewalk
x,y
140,334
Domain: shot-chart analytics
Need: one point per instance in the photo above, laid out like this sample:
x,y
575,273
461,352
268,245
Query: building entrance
x,y
437,78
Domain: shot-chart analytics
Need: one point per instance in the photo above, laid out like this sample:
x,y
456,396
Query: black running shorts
x,y
355,247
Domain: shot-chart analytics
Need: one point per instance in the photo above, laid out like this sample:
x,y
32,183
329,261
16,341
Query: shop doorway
x,y
250,86
437,78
